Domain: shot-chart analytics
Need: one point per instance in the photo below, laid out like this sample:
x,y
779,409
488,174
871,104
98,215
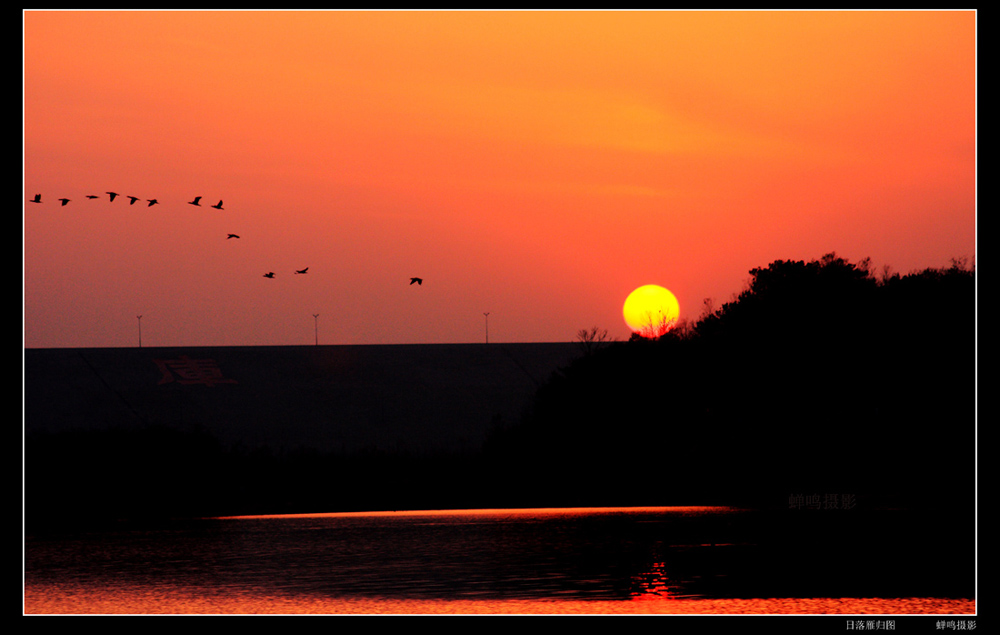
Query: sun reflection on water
x,y
652,585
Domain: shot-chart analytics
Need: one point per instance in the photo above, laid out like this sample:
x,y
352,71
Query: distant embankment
x,y
415,399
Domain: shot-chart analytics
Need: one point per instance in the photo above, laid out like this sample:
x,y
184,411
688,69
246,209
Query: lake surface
x,y
674,560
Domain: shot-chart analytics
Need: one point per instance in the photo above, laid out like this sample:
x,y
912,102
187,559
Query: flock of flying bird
x,y
132,199
197,203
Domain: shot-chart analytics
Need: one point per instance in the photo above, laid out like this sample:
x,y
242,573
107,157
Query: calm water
x,y
593,561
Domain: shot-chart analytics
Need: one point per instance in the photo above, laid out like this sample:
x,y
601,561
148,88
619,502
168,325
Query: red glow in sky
x,y
538,166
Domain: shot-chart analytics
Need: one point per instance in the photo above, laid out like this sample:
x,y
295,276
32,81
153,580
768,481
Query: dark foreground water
x,y
683,560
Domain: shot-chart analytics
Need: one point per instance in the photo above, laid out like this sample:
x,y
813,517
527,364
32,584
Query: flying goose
x,y
269,274
132,200
219,206
113,195
152,202
417,280
231,236
306,270
64,200
37,199
195,201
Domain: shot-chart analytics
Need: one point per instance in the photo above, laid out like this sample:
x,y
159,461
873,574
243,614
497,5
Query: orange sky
x,y
538,166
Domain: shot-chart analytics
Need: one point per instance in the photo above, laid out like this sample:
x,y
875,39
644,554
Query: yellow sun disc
x,y
651,310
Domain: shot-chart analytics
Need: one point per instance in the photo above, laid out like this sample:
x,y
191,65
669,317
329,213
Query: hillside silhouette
x,y
819,379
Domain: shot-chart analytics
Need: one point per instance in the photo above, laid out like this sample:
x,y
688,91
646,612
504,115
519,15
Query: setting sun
x,y
651,310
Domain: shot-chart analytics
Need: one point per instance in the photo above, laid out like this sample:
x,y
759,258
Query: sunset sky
x,y
537,166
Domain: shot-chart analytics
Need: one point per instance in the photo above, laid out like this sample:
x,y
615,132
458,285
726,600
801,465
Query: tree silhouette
x,y
592,339
817,377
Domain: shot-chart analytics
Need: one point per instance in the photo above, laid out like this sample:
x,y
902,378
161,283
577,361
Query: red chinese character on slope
x,y
191,371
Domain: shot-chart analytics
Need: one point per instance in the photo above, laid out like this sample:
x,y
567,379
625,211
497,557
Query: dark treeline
x,y
819,379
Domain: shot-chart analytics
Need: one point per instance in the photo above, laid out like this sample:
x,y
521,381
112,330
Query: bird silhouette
x,y
113,195
416,280
219,206
37,199
64,200
195,201
93,196
269,274
306,270
231,236
133,199
152,202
